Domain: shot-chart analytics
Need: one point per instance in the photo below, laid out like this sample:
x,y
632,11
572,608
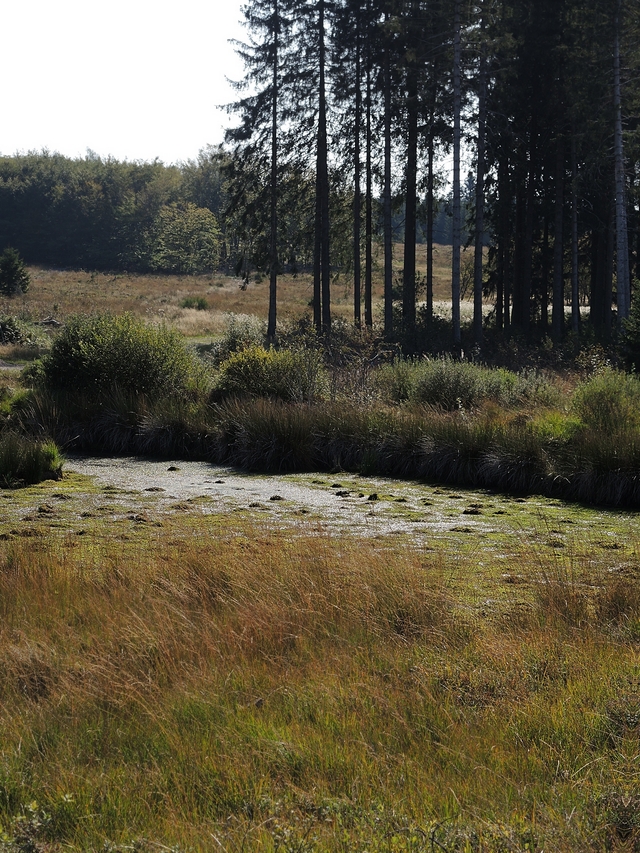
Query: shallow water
x,y
340,501
473,522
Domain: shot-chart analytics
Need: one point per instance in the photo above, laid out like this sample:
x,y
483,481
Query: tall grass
x,y
205,681
494,449
25,460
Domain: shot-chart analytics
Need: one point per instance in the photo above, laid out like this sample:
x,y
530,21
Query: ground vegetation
x,y
296,691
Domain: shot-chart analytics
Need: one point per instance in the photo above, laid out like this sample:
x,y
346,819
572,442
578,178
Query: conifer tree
x,y
14,276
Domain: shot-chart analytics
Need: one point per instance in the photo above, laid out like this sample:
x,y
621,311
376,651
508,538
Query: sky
x,y
130,79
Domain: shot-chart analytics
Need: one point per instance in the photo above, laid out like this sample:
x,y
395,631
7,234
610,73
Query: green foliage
x,y
102,352
608,402
450,384
105,214
24,460
243,331
12,331
14,277
186,240
283,375
197,302
454,384
552,425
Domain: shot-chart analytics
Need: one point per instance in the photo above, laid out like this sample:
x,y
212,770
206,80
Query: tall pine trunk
x,y
273,249
430,193
479,219
357,197
387,224
322,178
557,304
457,212
411,175
368,256
622,249
575,295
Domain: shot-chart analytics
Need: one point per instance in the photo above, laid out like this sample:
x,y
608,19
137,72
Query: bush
x,y
608,402
14,277
454,384
18,332
283,375
243,331
396,382
103,352
197,302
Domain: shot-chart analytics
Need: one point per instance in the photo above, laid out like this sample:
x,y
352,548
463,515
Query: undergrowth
x,y
116,385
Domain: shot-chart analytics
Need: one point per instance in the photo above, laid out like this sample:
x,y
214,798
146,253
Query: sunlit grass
x,y
271,691
61,293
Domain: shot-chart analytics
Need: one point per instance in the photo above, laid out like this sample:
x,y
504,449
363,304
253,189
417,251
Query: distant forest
x,y
100,214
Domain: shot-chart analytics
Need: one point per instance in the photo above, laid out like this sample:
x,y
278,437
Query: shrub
x,y
396,382
243,331
21,334
14,277
197,302
283,375
608,402
103,352
24,461
454,384
451,384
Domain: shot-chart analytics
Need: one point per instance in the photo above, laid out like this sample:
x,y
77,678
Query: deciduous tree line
x,y
379,102
105,214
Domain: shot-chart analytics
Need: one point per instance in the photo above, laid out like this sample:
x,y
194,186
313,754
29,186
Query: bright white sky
x,y
134,79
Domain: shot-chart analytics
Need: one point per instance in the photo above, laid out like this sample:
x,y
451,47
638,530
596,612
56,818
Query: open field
x,y
59,293
185,679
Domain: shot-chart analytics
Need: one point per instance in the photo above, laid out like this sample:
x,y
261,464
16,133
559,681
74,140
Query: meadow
x,y
173,679
193,676
160,298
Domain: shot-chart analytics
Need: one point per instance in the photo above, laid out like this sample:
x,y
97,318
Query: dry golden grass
x,y
158,298
208,680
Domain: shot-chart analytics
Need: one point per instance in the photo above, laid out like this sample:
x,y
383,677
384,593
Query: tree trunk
x,y
457,213
622,250
557,309
387,224
575,295
430,188
544,284
527,273
411,174
357,198
504,224
518,291
273,250
323,179
479,221
368,262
